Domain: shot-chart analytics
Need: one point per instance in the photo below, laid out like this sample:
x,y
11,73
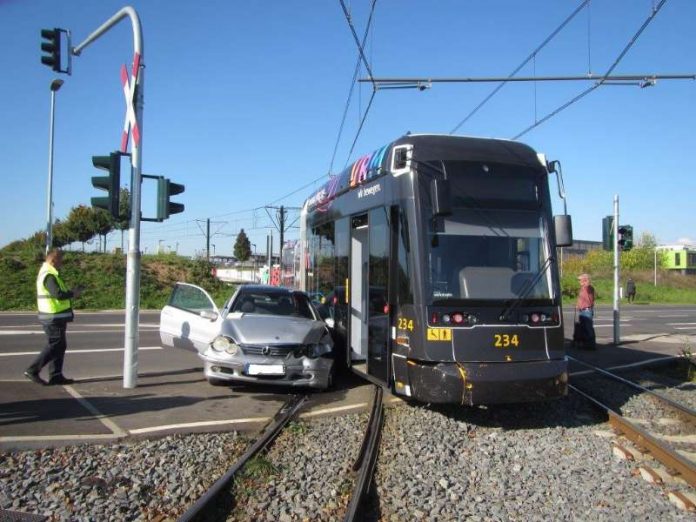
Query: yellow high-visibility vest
x,y
50,307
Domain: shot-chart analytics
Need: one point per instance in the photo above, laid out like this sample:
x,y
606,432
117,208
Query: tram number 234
x,y
506,341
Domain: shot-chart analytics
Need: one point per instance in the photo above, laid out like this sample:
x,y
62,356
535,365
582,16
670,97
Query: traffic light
x,y
625,237
608,233
166,189
51,46
110,183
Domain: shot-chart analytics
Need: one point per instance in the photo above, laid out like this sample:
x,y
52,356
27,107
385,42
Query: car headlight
x,y
224,344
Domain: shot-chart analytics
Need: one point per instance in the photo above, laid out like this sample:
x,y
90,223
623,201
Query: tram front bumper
x,y
484,383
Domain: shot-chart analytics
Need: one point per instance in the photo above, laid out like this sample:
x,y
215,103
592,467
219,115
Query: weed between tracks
x,y
299,477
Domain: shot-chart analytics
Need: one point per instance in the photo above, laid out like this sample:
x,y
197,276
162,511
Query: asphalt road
x,y
642,322
95,345
95,340
172,395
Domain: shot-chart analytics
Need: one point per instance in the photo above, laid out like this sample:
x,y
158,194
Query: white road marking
x,y
680,324
339,409
48,438
92,350
111,425
69,332
201,424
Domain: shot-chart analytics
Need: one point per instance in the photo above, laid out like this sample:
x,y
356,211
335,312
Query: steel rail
x,y
643,439
286,412
689,414
367,458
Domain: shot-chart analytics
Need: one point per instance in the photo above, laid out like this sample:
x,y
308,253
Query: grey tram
x,y
434,259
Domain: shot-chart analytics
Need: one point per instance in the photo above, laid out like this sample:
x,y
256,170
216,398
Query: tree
x,y
103,224
242,247
62,235
80,224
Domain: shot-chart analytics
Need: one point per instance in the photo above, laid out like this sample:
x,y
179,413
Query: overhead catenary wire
x,y
651,17
352,86
361,52
531,56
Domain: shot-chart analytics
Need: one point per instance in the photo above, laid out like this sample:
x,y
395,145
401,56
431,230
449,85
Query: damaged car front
x,y
271,336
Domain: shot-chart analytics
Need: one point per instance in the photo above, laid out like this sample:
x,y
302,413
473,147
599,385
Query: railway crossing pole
x,y
135,118
615,226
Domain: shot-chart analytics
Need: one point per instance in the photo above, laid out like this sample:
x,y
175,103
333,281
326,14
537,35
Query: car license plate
x,y
265,369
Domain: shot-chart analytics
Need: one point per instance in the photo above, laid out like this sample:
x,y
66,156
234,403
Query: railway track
x,y
659,426
218,503
209,499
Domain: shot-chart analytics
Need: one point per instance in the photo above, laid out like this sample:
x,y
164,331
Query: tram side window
x,y
324,253
403,278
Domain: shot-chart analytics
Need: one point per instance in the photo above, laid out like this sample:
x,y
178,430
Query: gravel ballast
x,y
544,461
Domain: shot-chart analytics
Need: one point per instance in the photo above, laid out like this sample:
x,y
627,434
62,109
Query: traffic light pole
x,y
617,333
130,358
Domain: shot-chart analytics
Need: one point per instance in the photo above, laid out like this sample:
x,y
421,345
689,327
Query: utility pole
x,y
207,240
281,221
130,357
617,333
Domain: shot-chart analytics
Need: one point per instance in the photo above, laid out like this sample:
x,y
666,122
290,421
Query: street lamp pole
x,y
254,245
55,85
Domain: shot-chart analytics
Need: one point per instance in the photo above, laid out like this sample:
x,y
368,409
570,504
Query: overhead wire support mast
x,y
130,357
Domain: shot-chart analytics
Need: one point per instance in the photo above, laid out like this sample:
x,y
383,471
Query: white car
x,y
263,334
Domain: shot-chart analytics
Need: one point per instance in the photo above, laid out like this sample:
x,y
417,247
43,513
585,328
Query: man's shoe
x,y
34,377
60,379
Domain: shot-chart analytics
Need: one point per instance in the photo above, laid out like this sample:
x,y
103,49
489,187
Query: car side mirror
x,y
208,314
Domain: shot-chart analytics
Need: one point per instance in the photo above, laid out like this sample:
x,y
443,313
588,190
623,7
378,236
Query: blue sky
x,y
243,102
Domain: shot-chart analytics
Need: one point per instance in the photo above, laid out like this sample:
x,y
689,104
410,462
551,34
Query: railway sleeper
x,y
683,500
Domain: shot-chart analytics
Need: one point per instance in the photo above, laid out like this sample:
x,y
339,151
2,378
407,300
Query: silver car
x,y
263,334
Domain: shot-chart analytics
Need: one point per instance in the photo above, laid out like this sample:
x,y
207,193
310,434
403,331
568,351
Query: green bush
x,y
103,277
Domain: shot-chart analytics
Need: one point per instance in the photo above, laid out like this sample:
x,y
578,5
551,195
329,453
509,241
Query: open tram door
x,y
368,339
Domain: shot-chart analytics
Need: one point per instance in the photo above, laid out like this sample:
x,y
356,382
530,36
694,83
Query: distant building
x,y
681,258
581,248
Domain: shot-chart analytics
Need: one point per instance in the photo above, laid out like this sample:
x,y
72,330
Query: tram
x,y
434,258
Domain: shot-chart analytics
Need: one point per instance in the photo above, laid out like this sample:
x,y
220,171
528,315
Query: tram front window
x,y
491,255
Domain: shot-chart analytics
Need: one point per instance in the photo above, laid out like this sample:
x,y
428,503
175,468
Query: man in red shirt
x,y
585,311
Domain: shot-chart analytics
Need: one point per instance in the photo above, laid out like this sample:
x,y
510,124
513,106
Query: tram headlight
x,y
224,344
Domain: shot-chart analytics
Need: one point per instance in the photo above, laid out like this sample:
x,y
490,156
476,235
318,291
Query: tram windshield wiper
x,y
524,292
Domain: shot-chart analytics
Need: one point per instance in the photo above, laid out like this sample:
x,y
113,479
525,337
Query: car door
x,y
190,319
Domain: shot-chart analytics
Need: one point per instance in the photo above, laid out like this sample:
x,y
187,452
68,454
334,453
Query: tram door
x,y
369,283
359,235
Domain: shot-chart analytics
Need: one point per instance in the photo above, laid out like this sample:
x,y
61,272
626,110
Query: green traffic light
x,y
166,189
110,183
52,47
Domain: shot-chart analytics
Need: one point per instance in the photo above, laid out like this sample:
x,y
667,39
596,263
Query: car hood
x,y
264,329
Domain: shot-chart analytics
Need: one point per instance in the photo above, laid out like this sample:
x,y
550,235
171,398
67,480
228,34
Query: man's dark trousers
x,y
53,352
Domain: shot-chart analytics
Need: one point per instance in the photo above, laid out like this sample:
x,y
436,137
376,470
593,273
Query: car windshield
x,y
273,303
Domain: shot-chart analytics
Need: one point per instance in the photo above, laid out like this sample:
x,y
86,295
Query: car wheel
x,y
216,382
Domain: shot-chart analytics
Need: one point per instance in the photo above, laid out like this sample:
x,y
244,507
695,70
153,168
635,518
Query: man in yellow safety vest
x,y
55,312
